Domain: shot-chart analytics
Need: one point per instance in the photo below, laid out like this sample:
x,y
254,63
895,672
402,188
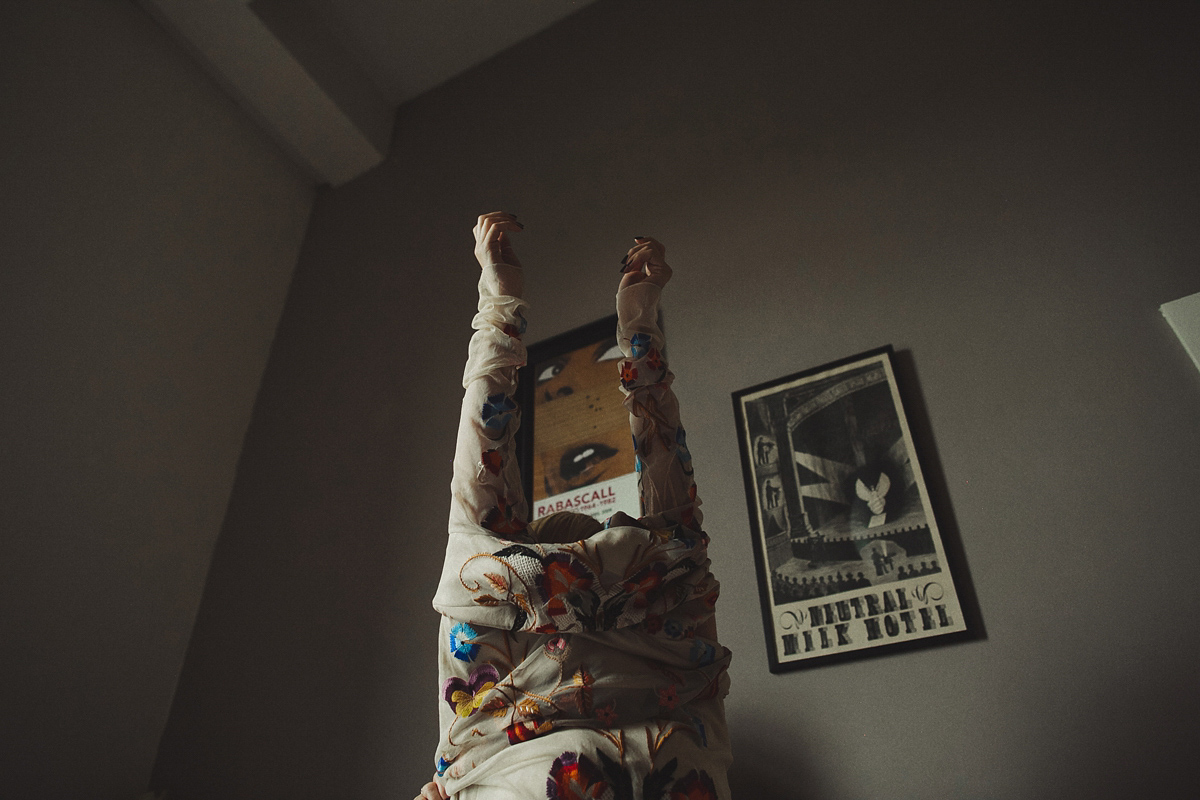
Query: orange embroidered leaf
x,y
495,707
487,600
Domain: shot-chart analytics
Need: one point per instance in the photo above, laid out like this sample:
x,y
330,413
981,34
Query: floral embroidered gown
x,y
588,669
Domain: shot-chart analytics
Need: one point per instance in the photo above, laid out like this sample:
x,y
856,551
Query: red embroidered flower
x,y
688,517
562,576
653,623
629,374
607,715
694,786
573,777
643,583
501,519
654,359
668,698
524,731
493,461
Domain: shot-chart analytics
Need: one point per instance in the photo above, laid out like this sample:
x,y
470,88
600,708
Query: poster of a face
x,y
581,452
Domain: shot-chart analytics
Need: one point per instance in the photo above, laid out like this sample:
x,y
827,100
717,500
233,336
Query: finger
x,y
496,227
645,258
648,247
639,240
485,220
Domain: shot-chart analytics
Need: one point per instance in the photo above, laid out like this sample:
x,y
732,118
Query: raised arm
x,y
663,462
486,487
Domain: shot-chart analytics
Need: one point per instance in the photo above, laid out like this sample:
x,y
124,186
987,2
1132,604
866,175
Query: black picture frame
x,y
848,552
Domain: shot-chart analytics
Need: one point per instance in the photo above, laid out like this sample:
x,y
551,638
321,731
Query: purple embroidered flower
x,y
462,642
575,777
556,646
498,410
465,697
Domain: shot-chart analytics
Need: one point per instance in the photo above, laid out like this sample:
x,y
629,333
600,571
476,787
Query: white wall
x,y
147,239
1004,191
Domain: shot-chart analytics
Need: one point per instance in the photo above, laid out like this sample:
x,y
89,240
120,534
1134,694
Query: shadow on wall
x,y
939,494
775,763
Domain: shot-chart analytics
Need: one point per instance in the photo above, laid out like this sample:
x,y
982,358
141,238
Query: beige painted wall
x,y
147,239
1005,191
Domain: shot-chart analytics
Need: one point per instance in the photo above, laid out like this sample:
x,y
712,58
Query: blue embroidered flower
x,y
702,652
497,411
516,331
699,724
442,766
635,447
672,628
637,464
462,642
639,344
685,455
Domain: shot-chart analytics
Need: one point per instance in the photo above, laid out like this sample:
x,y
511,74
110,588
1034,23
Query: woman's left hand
x,y
646,261
432,791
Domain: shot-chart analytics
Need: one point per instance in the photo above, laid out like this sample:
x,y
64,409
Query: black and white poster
x,y
847,546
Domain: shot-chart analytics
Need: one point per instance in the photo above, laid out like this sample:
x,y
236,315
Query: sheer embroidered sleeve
x,y
663,462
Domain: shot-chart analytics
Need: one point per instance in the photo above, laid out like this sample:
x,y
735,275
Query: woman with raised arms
x,y
578,659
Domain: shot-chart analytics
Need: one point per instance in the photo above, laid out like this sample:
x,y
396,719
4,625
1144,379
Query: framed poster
x,y
576,452
847,548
